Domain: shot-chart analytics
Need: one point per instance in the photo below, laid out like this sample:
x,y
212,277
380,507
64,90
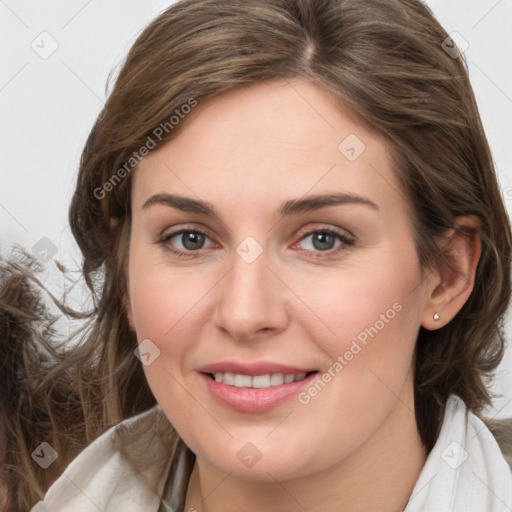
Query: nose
x,y
251,300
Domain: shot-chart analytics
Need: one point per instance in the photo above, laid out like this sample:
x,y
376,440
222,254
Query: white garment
x,y
100,480
465,471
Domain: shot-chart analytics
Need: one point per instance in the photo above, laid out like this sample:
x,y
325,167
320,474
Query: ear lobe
x,y
455,281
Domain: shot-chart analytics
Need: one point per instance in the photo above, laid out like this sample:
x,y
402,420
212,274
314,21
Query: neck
x,y
378,477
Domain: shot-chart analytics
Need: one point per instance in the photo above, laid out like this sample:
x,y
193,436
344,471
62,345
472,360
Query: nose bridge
x,y
249,299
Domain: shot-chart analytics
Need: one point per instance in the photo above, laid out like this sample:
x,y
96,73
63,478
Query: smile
x,y
258,381
254,393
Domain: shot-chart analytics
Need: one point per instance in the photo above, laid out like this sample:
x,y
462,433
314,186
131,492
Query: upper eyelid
x,y
304,230
176,231
325,227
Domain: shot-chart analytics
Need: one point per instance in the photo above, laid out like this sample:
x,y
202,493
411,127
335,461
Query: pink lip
x,y
252,369
254,400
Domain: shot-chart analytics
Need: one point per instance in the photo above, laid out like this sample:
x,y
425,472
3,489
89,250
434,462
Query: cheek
x,y
159,303
367,326
366,322
162,296
168,304
369,305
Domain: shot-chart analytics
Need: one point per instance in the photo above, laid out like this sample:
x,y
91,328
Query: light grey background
x,y
49,102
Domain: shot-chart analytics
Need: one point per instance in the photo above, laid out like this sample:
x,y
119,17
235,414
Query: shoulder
x,y
465,470
101,478
485,436
493,435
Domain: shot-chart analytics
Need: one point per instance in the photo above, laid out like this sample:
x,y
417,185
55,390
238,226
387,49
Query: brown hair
x,y
383,59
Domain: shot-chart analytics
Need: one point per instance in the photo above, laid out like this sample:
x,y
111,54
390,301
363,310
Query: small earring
x,y
437,317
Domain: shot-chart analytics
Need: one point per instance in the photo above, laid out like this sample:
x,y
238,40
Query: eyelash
x,y
347,242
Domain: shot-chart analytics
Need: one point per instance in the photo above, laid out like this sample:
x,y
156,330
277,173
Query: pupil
x,y
192,240
323,241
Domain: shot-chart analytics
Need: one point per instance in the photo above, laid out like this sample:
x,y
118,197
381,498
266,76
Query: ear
x,y
450,286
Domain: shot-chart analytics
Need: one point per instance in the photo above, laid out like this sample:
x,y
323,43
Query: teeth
x,y
242,381
258,381
276,379
289,378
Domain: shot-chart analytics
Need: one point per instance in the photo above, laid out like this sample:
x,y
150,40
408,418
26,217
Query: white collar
x,y
465,470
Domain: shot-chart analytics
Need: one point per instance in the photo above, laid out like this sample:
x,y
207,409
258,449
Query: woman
x,y
292,228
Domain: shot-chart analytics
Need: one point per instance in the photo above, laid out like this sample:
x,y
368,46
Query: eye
x,y
185,242
188,242
325,240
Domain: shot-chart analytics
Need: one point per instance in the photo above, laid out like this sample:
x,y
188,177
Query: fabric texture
x,y
464,471
100,480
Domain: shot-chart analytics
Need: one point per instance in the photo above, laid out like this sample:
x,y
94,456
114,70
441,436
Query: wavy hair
x,y
384,59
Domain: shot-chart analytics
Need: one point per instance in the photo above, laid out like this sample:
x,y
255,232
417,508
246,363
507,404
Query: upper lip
x,y
252,369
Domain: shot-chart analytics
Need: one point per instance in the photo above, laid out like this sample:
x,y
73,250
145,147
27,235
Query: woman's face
x,y
294,254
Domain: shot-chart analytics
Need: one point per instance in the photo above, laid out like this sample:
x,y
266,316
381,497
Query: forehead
x,y
256,144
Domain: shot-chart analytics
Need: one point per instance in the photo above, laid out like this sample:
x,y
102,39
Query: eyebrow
x,y
290,207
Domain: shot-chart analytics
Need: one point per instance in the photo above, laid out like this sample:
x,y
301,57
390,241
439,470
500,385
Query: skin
x,y
246,152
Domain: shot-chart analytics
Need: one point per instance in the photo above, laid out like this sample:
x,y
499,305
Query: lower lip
x,y
254,400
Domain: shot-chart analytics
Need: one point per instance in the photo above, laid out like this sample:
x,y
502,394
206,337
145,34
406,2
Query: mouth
x,y
256,393
269,380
